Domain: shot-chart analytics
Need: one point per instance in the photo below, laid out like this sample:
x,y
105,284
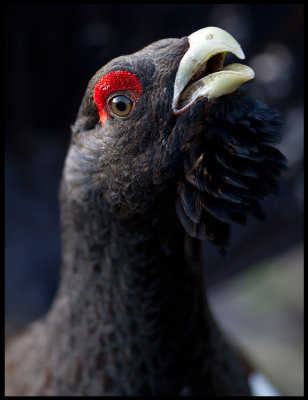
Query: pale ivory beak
x,y
207,50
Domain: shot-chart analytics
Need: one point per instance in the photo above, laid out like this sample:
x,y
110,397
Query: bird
x,y
168,150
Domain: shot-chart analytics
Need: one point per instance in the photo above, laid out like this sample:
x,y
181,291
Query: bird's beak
x,y
201,72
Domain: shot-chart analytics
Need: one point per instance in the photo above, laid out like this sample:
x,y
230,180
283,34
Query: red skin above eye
x,y
114,82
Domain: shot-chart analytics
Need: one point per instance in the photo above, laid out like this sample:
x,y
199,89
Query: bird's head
x,y
169,119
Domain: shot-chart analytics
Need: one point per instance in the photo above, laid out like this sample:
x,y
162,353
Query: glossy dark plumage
x,y
131,315
229,166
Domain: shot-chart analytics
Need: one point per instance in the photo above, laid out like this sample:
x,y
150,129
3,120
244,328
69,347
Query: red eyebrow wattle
x,y
113,82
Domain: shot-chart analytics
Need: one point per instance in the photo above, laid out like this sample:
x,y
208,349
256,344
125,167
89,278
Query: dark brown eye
x,y
120,106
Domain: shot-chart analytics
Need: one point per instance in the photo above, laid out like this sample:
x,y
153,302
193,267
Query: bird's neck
x,y
128,299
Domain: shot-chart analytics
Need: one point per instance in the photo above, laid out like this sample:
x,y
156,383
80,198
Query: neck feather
x,y
130,304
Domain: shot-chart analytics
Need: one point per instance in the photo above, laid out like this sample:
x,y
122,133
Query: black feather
x,y
229,165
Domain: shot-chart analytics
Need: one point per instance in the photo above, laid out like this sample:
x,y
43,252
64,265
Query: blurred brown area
x,y
262,312
51,51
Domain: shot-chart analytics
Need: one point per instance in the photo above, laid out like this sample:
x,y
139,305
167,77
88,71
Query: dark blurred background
x,y
51,52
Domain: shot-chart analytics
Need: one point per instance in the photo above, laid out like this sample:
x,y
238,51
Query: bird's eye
x,y
120,106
